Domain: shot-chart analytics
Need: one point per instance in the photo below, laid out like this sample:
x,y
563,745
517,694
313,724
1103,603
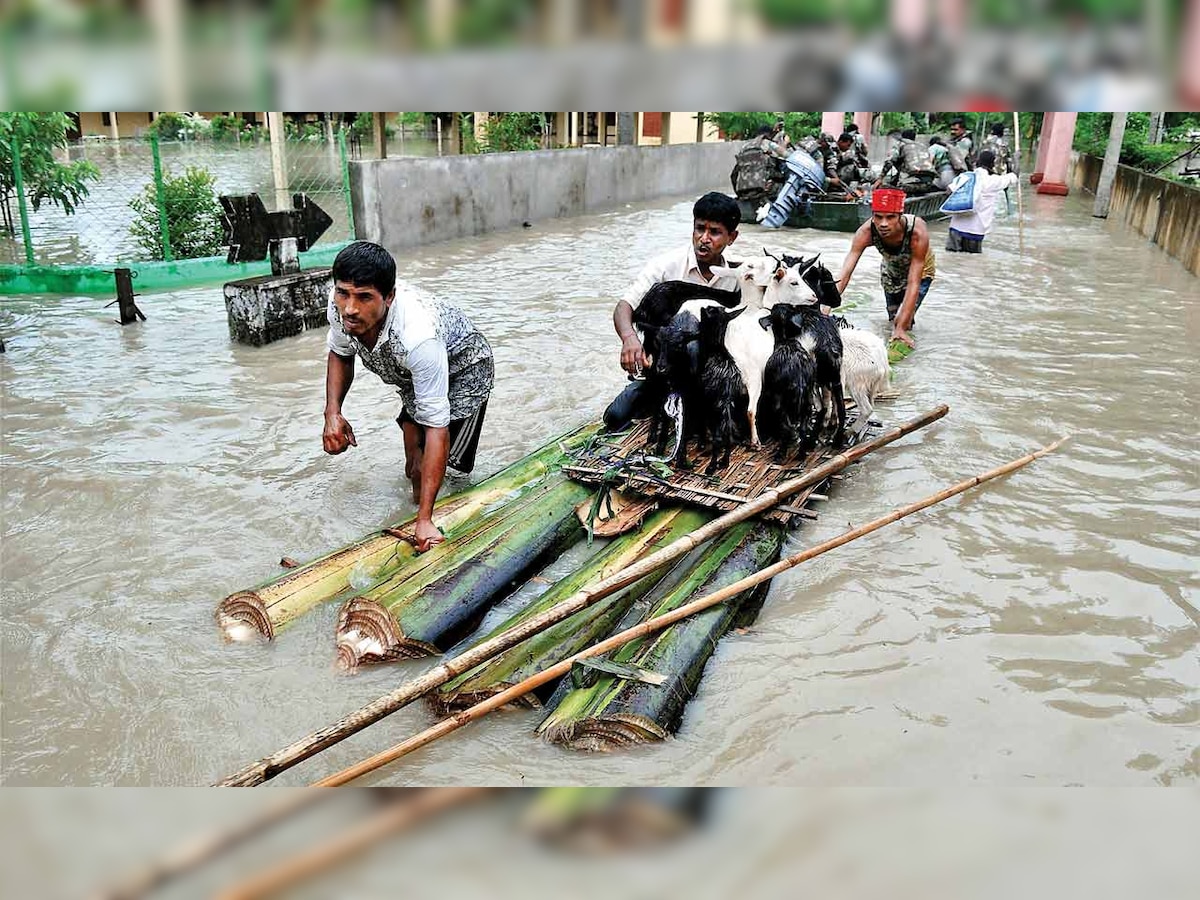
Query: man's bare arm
x,y
339,375
632,355
912,290
857,246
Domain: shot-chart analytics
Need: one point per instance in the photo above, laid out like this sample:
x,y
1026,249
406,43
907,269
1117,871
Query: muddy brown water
x,y
1041,630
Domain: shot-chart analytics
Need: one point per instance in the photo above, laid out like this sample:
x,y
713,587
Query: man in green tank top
x,y
908,266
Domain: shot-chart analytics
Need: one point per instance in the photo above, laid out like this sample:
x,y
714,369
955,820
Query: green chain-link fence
x,y
158,200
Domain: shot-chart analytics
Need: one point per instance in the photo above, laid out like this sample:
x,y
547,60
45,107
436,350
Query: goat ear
x,y
724,271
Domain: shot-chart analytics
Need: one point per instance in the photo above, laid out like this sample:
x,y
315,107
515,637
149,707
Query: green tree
x,y
193,216
38,135
739,126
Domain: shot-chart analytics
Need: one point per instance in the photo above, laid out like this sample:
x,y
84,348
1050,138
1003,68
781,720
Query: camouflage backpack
x,y
755,173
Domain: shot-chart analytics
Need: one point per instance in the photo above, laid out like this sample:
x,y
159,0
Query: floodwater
x,y
1041,630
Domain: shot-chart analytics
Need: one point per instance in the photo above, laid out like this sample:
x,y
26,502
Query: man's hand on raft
x,y
633,357
338,436
901,334
426,534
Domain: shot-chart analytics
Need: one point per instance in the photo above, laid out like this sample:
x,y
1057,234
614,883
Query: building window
x,y
106,119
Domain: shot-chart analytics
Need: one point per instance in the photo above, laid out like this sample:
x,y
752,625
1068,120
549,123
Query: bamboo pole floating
x,y
196,852
1017,161
282,760
454,722
401,814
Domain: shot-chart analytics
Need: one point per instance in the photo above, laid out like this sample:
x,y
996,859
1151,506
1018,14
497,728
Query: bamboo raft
x,y
622,461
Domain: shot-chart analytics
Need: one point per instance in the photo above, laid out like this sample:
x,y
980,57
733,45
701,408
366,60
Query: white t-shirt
x,y
988,188
408,354
675,265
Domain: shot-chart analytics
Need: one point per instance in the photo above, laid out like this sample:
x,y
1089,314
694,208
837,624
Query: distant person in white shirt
x,y
438,361
968,229
715,220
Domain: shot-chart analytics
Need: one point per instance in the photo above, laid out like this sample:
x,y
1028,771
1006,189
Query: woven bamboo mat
x,y
622,460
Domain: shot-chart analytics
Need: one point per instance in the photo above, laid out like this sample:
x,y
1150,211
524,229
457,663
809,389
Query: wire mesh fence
x,y
130,215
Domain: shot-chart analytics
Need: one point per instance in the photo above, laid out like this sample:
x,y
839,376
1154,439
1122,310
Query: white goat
x,y
745,339
864,371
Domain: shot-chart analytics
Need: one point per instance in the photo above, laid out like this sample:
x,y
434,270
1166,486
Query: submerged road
x,y
1042,630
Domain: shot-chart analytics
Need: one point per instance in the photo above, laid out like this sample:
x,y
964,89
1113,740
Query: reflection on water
x,y
1042,630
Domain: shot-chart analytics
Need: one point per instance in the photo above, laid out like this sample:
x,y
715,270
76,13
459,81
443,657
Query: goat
x,y
725,398
745,340
786,404
676,370
789,288
662,301
864,370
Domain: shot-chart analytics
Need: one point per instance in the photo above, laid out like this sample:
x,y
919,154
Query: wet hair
x,y
985,160
852,129
998,129
937,139
364,264
958,122
764,131
845,136
717,207
909,134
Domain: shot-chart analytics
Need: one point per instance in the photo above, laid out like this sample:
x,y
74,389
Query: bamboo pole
x,y
1017,162
196,852
399,815
270,766
454,722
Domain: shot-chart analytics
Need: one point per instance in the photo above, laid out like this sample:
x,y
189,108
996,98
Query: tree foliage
x,y
1091,136
193,216
739,126
37,136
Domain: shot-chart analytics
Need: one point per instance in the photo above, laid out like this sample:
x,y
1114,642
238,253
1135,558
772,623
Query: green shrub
x,y
47,180
740,126
504,132
193,216
225,128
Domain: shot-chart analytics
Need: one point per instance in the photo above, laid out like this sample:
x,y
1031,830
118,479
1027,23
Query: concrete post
x,y
1039,165
626,129
666,129
1108,172
454,138
570,129
480,125
283,199
833,122
699,128
114,132
1058,155
285,256
863,121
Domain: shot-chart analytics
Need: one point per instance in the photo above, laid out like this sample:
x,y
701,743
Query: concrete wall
x,y
406,202
1165,212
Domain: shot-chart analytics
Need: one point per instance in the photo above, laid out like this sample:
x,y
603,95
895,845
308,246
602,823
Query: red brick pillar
x,y
1039,166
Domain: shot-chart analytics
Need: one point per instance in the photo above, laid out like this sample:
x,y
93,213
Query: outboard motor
x,y
805,177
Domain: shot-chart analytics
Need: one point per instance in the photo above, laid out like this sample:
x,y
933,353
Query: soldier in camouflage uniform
x,y
963,142
909,167
948,161
997,143
758,173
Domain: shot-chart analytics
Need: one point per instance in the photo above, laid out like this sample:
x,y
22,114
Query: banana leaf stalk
x,y
262,611
425,615
580,630
616,711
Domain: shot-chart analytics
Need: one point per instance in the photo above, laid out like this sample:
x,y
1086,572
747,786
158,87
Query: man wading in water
x,y
715,220
908,264
439,363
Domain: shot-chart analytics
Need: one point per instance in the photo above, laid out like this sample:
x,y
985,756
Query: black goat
x,y
724,398
786,405
660,304
676,370
827,351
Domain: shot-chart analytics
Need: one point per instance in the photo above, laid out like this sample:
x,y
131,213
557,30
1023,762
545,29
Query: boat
x,y
845,215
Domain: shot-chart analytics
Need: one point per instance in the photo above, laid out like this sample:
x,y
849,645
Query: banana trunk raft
x,y
500,532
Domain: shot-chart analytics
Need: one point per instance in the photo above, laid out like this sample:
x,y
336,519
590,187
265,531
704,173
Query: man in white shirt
x,y
715,220
968,229
438,361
